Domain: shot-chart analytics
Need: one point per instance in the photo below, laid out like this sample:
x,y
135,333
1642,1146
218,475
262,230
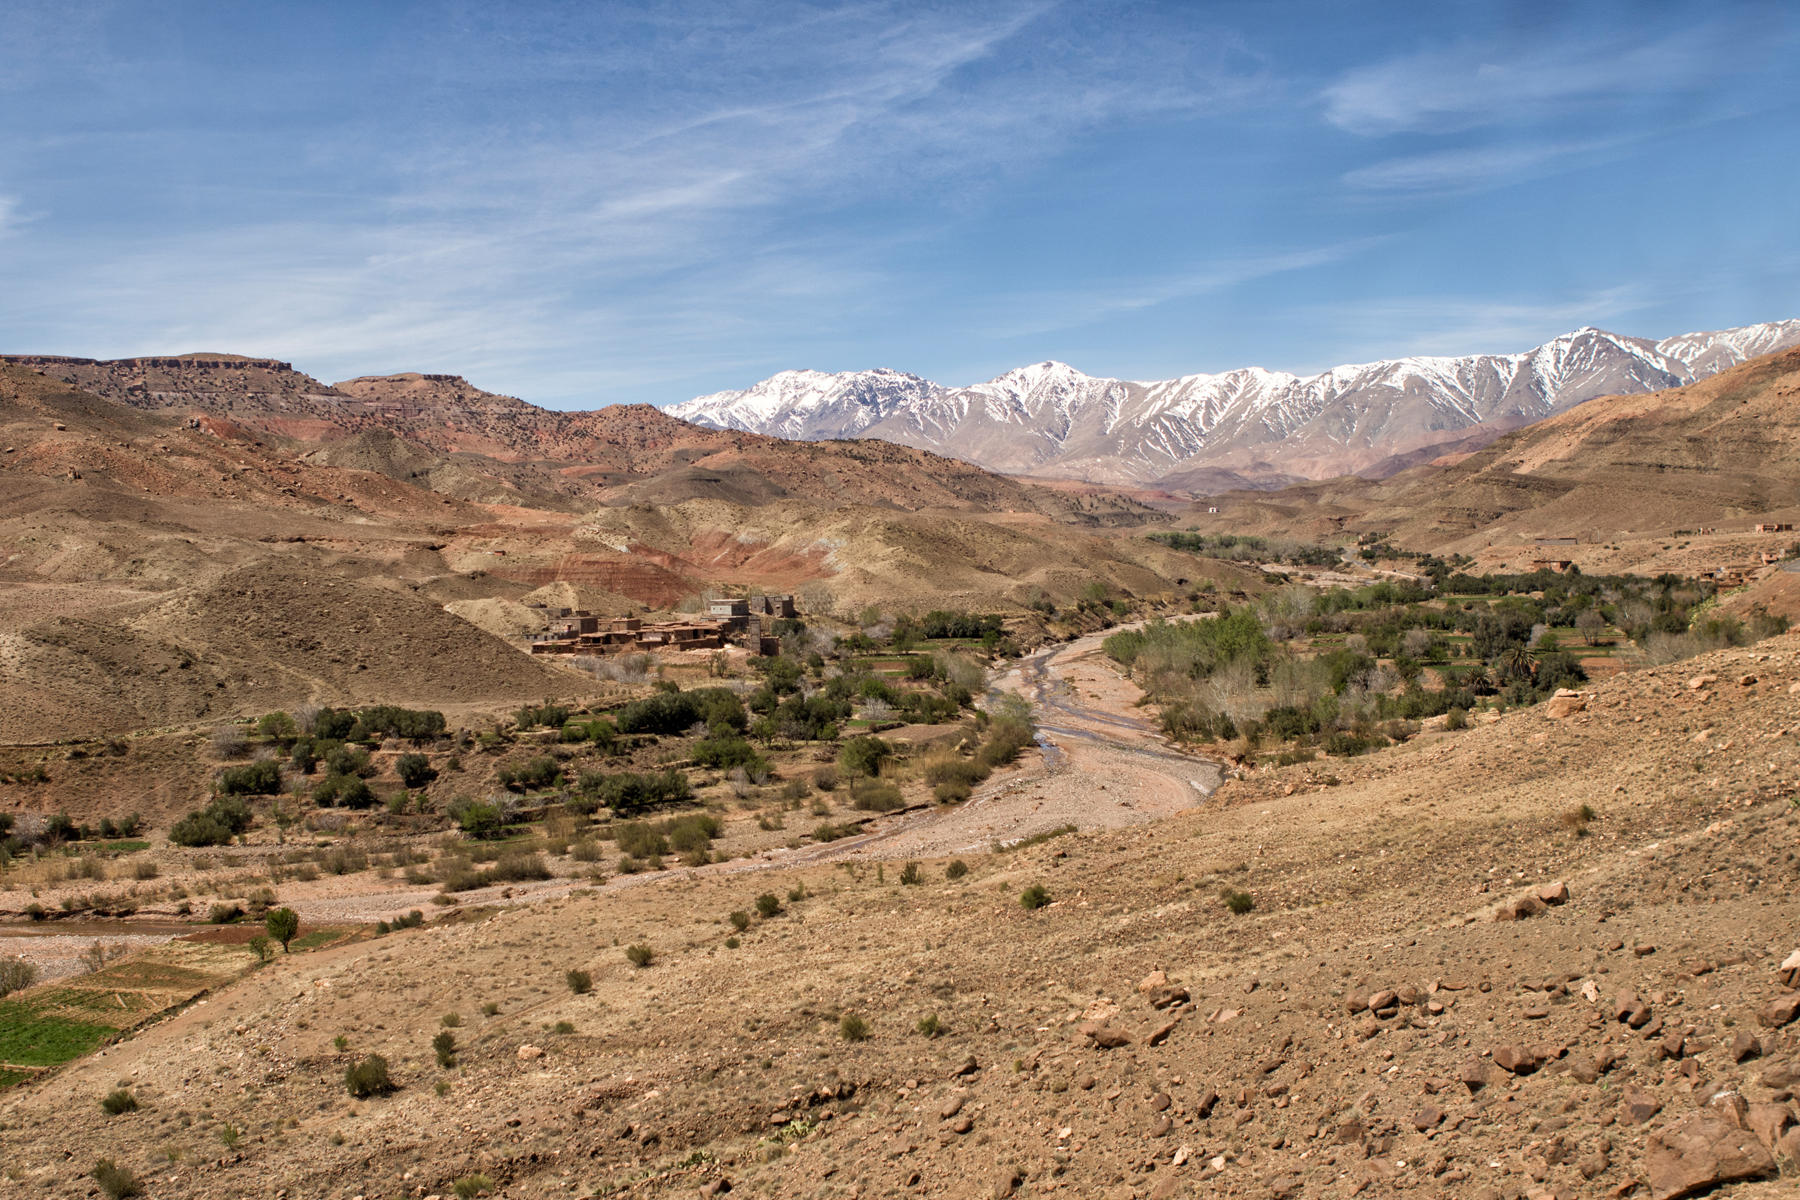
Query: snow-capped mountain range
x,y
1247,426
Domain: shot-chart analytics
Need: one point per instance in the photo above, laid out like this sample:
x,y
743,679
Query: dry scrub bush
x,y
115,1181
15,975
369,1078
228,742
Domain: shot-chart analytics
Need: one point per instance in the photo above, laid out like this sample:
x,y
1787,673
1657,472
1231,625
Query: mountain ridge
x,y
1049,419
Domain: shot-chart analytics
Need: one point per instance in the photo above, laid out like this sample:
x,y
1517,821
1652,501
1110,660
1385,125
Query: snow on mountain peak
x,y
1048,418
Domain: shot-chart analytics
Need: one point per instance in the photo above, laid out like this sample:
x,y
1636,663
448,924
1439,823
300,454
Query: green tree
x,y
283,924
415,770
864,755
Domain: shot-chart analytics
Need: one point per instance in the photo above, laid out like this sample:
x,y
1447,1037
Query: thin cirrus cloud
x,y
1452,172
1470,85
1049,312
712,193
1458,325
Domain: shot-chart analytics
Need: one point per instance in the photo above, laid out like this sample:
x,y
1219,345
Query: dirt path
x,y
1102,766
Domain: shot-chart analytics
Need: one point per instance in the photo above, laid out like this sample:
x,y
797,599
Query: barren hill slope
x,y
1726,449
445,434
1368,1028
205,562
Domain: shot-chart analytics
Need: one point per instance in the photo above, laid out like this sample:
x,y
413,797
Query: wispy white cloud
x,y
697,185
1456,325
1450,172
1473,84
1044,312
9,215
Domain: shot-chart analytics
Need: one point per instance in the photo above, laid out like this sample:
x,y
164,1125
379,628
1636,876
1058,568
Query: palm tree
x,y
1517,663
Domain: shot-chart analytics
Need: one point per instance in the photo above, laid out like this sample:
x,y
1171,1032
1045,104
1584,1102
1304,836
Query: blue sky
x,y
584,204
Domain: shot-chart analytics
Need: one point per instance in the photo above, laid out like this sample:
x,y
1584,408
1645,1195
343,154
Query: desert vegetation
x,y
1302,670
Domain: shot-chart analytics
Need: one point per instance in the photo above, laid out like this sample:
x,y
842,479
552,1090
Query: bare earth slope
x,y
1724,450
186,551
1368,1029
445,434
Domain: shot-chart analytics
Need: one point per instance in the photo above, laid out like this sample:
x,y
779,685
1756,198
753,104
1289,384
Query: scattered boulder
x,y
1565,703
1474,1074
1516,1059
1586,1068
1106,1037
1639,1106
1631,1010
1768,1122
1007,1181
1553,893
527,1052
1153,981
1700,683
1701,1151
1779,1011
1745,1047
1168,997
1790,970
1518,908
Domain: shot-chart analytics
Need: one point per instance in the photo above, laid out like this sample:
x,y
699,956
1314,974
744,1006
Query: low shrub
x,y
875,796
477,818
640,840
119,1101
768,905
16,974
414,770
369,1078
253,779
1034,897
956,870
853,1028
580,982
530,776
1239,902
640,956
115,1181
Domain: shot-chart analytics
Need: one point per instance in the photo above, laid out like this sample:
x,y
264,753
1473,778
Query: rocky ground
x,y
1538,957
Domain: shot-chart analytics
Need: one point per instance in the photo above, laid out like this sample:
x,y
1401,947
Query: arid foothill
x,y
850,600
